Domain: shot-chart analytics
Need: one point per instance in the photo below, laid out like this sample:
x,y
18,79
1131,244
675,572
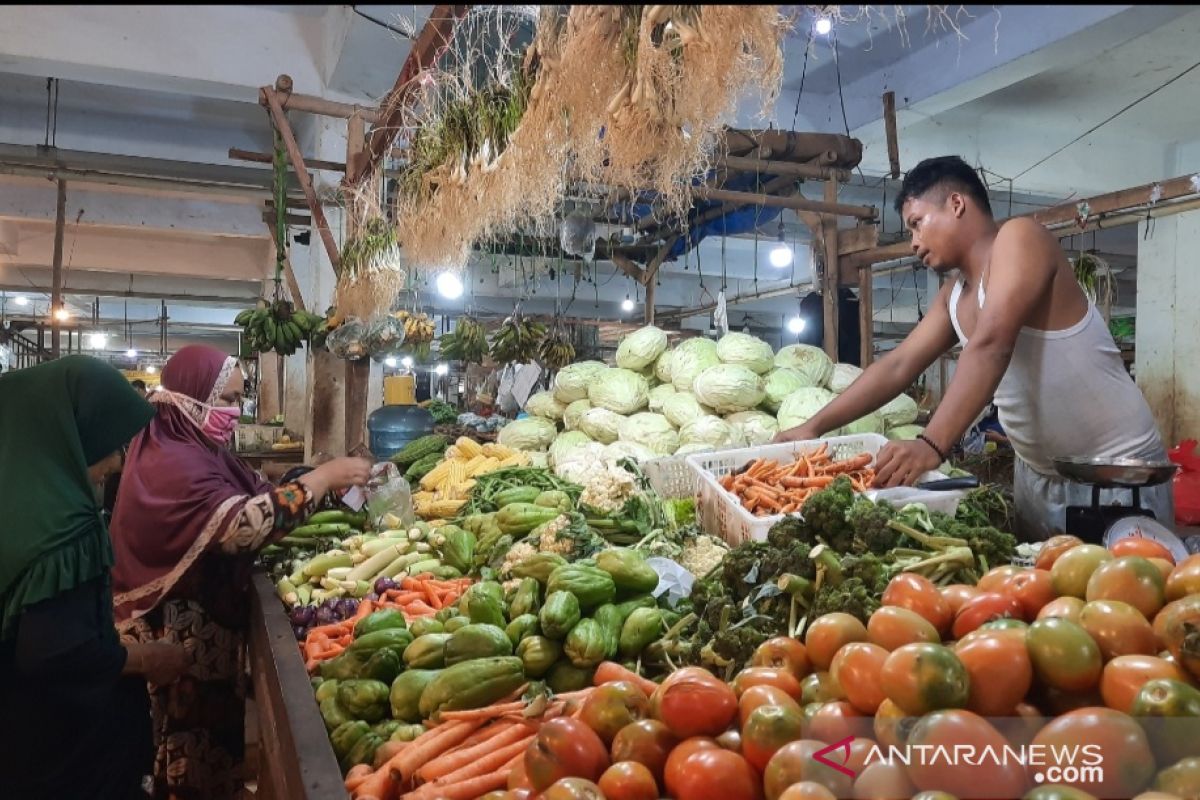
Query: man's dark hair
x,y
948,172
139,384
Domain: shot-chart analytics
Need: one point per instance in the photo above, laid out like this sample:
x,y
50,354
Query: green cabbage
x,y
683,407
728,387
572,381
641,348
529,433
622,391
802,405
601,424
812,362
543,404
712,431
618,450
843,375
662,367
574,413
900,410
692,356
694,447
780,382
652,431
871,423
747,351
564,443
755,427
904,432
659,395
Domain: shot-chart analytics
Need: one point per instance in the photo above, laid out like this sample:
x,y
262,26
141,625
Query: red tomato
x,y
999,669
1124,677
732,740
692,702
1064,656
835,721
763,695
1054,547
892,626
1032,588
573,789
1140,546
648,742
565,748
820,687
1164,566
783,679
856,668
925,677
828,633
768,729
985,608
610,707
1184,579
946,729
891,725
883,781
918,594
783,652
1175,627
1067,608
1132,580
807,790
1118,628
957,594
794,763
628,780
518,778
1090,735
1073,569
994,579
712,774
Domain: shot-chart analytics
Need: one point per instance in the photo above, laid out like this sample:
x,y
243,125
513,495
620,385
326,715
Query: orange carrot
x,y
488,762
356,776
379,785
428,746
445,765
609,671
468,789
494,710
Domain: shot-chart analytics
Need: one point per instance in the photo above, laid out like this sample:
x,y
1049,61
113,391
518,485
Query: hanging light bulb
x,y
781,253
627,304
151,369
390,362
406,362
98,340
62,314
796,324
824,26
449,285
131,353
441,369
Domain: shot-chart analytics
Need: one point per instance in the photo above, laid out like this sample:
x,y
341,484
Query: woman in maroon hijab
x,y
189,518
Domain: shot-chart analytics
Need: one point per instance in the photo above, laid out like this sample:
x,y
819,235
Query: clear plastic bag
x,y
348,341
389,498
578,235
384,337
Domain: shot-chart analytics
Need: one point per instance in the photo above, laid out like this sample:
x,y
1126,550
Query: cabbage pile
x,y
698,396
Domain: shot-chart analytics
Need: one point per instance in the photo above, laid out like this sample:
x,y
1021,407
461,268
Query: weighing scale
x,y
1091,523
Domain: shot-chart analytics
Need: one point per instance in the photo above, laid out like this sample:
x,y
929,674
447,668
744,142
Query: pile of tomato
x,y
1089,647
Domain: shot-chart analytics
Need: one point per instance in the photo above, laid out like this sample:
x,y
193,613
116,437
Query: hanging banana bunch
x,y
467,342
418,327
517,340
556,350
277,326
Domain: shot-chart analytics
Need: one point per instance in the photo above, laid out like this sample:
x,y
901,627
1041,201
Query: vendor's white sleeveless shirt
x,y
1066,393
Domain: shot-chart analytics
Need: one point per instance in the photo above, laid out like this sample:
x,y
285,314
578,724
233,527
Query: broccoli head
x,y
825,514
870,569
870,524
851,596
788,531
991,547
742,569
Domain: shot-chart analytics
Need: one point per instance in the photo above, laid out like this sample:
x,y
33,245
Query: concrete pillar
x,y
1168,327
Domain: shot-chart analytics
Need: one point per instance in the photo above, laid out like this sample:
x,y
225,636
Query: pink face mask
x,y
219,423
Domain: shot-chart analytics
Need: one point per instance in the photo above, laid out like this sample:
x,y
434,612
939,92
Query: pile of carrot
x,y
418,596
766,487
469,753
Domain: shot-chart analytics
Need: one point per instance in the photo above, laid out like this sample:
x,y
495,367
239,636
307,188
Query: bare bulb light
x,y
151,369
389,362
796,324
131,353
62,315
449,285
21,300
627,304
781,256
824,26
406,362
441,369
97,341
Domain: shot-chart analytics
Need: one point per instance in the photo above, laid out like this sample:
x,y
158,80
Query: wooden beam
x,y
60,225
628,267
428,47
318,105
290,219
310,194
797,203
866,316
650,286
829,275
854,240
289,275
770,187
292,202
789,168
265,158
656,262
358,373
893,142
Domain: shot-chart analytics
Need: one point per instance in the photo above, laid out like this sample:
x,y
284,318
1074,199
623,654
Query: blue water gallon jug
x,y
392,427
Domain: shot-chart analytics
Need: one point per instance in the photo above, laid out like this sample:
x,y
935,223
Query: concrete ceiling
x,y
1010,86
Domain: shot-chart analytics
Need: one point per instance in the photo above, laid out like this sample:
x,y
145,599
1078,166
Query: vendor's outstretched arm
x,y
887,377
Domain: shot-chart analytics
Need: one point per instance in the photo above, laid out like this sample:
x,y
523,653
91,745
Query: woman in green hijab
x,y
75,704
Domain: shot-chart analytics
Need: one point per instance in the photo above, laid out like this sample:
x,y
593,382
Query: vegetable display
x,y
766,487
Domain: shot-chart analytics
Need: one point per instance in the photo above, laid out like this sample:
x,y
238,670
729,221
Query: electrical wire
x,y
803,73
1098,126
398,31
837,71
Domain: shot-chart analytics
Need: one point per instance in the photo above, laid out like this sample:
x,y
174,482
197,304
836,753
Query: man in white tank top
x,y
1037,348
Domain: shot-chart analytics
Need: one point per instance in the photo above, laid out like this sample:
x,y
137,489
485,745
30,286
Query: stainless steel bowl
x,y
1115,472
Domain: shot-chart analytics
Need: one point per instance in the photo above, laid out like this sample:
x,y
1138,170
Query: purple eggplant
x,y
326,616
300,631
347,606
385,584
303,615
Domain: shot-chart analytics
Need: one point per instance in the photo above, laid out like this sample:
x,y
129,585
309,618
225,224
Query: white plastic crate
x,y
671,477
721,514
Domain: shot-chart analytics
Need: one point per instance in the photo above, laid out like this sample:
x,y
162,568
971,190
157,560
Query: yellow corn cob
x,y
512,461
458,474
452,452
472,466
468,447
445,508
435,476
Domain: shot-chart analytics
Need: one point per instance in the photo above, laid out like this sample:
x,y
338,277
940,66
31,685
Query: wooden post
x,y
829,276
358,373
889,122
310,194
60,226
866,316
650,301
